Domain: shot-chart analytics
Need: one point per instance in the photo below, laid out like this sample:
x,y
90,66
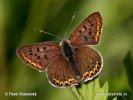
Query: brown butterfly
x,y
71,61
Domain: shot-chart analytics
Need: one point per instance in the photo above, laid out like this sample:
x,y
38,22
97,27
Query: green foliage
x,y
91,91
129,70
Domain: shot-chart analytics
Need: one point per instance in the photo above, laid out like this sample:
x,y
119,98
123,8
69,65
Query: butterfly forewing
x,y
88,32
90,62
39,55
59,73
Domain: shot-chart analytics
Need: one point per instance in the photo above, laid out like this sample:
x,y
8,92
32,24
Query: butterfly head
x,y
64,41
66,47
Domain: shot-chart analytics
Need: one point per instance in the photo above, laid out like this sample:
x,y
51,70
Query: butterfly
x,y
71,61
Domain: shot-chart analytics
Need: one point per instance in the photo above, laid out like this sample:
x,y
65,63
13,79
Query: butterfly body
x,y
71,61
68,52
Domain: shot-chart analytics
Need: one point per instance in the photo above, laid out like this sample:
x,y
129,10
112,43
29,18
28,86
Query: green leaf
x,y
129,68
91,90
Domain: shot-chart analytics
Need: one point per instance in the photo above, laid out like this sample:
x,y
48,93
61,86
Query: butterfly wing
x,y
39,55
90,62
59,73
88,32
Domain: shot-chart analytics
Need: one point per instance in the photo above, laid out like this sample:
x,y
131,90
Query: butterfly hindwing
x,y
59,73
39,55
90,62
88,32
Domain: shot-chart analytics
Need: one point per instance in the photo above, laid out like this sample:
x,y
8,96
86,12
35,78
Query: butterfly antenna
x,y
70,24
48,33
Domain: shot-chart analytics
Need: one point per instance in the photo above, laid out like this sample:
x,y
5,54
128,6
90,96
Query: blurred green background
x,y
18,18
